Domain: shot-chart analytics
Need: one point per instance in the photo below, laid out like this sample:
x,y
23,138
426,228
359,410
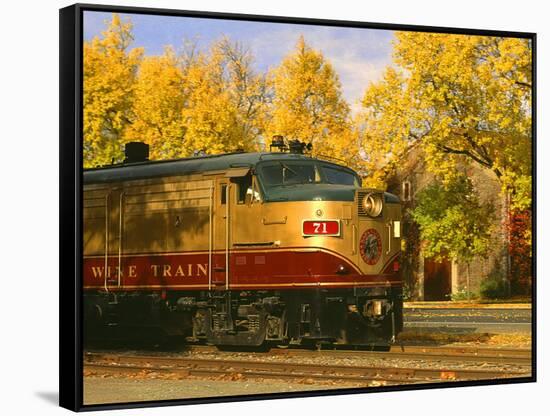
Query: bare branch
x,y
482,162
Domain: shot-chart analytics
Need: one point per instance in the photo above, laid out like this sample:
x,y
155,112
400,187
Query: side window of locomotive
x,y
223,194
272,175
339,176
254,191
244,184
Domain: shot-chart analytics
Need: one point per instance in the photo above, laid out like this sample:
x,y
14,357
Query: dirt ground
x,y
98,390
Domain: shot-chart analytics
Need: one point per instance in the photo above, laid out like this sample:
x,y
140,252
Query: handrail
x,y
121,199
389,237
353,239
254,243
210,232
227,201
105,270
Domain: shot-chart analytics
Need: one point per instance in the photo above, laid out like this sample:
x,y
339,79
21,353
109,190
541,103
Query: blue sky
x,y
358,55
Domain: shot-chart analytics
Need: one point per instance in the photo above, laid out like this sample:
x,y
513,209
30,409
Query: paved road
x,y
470,320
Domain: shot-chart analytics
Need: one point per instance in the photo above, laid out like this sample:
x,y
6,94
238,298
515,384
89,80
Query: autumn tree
x,y
308,103
249,91
460,99
110,69
223,109
385,127
453,222
519,226
159,97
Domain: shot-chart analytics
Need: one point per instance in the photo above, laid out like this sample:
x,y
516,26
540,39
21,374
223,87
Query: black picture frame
x,y
70,215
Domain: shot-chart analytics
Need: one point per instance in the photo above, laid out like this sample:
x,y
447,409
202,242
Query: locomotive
x,y
242,249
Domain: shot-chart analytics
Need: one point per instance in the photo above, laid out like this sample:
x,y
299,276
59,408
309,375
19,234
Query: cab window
x,y
223,194
244,186
339,176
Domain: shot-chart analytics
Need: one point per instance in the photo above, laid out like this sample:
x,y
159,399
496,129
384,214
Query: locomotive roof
x,y
141,170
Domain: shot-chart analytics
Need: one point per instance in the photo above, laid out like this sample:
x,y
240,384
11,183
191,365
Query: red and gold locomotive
x,y
242,249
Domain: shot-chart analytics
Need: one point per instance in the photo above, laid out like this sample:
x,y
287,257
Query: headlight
x,y
372,204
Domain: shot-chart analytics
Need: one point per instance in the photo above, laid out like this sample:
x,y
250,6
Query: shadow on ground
x,y
140,339
442,335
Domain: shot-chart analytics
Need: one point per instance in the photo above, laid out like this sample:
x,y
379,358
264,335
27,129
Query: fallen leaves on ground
x,y
431,337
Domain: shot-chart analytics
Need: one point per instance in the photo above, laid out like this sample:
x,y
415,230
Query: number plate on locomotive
x,y
321,227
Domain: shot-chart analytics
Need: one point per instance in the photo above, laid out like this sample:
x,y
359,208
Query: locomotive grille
x,y
360,209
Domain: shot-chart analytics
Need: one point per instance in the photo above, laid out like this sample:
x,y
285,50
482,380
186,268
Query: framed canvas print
x,y
257,207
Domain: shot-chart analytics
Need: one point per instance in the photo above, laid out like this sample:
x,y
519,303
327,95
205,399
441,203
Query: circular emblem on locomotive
x,y
370,246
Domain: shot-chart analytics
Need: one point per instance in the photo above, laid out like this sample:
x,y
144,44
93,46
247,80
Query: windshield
x,y
289,173
339,176
281,173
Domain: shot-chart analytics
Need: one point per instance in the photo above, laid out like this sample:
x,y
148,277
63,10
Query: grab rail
x,y
210,232
389,237
227,202
121,199
105,270
353,239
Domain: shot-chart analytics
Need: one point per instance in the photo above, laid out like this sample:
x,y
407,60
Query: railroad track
x,y
432,353
462,354
183,367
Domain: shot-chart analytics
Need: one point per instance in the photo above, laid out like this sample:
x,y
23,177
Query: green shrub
x,y
463,294
493,287
408,292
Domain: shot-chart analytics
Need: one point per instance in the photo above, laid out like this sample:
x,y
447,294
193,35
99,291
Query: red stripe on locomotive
x,y
255,270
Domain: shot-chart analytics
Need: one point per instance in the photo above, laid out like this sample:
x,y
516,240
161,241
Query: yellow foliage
x,y
308,104
223,110
451,98
458,98
209,118
109,81
178,104
157,107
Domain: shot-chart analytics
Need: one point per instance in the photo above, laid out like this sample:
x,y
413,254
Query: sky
x,y
358,55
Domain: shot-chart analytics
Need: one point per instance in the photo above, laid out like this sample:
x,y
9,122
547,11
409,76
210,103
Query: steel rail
x,y
433,354
445,353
